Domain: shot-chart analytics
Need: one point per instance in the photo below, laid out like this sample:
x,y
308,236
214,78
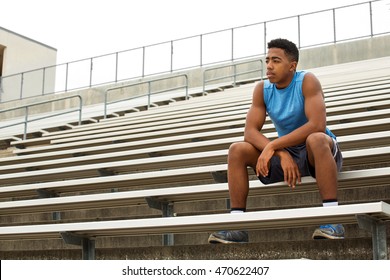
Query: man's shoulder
x,y
311,84
307,74
309,78
300,75
266,84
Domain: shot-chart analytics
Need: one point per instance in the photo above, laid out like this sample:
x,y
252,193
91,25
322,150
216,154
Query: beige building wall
x,y
20,54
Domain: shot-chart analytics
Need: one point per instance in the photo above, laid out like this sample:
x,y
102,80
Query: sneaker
x,y
227,237
331,231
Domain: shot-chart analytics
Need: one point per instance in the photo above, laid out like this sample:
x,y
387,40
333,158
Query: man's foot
x,y
227,237
331,231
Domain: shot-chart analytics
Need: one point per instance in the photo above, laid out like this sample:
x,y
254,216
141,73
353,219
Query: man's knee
x,y
318,140
237,149
243,151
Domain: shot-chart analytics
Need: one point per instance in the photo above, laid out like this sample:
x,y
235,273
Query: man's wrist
x,y
280,153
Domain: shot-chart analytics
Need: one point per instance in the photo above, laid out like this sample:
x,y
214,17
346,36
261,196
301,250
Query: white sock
x,y
333,203
236,211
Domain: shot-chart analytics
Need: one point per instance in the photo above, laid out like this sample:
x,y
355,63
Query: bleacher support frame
x,y
377,229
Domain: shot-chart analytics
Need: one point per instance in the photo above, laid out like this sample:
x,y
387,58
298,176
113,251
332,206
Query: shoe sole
x,y
322,235
215,240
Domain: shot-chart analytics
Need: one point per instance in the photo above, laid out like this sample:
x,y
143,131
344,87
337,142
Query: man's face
x,y
279,67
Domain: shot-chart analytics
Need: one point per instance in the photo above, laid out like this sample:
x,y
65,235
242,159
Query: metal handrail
x,y
169,52
26,112
148,94
234,74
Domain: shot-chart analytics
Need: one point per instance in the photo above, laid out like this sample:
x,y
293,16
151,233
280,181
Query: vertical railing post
x,y
204,81
371,24
186,77
105,103
201,50
265,37
171,56
234,74
116,66
25,123
149,89
43,80
66,76
21,85
232,44
334,26
90,72
143,62
299,32
80,109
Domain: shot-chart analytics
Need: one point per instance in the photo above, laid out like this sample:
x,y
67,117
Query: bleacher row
x,y
134,180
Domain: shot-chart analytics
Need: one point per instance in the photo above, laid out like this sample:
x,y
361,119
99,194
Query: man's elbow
x,y
247,136
321,127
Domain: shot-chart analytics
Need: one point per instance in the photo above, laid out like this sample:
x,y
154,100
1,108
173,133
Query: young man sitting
x,y
305,146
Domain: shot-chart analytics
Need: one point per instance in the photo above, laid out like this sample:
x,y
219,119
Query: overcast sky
x,y
81,29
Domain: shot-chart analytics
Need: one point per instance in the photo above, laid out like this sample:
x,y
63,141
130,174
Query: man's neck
x,y
284,84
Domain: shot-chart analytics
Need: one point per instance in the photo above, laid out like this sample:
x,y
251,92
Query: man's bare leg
x,y
241,155
319,150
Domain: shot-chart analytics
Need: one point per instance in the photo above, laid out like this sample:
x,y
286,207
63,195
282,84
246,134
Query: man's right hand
x,y
292,175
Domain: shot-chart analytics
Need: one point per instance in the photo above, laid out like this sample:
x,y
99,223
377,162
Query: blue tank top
x,y
286,107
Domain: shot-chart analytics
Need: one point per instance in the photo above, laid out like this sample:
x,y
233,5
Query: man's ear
x,y
293,66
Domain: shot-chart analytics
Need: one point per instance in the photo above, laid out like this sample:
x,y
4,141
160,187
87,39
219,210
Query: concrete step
x,y
347,249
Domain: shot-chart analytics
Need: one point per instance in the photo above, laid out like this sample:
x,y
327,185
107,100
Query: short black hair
x,y
289,47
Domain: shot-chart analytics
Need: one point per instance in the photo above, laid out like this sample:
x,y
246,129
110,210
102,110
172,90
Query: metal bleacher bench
x,y
188,134
370,216
120,151
335,98
228,119
164,197
347,179
132,172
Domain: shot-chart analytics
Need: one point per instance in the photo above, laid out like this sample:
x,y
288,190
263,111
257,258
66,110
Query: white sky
x,y
81,29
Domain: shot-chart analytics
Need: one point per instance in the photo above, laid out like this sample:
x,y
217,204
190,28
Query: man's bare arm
x,y
255,120
315,114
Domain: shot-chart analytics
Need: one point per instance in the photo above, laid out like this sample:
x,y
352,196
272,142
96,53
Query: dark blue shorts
x,y
299,154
